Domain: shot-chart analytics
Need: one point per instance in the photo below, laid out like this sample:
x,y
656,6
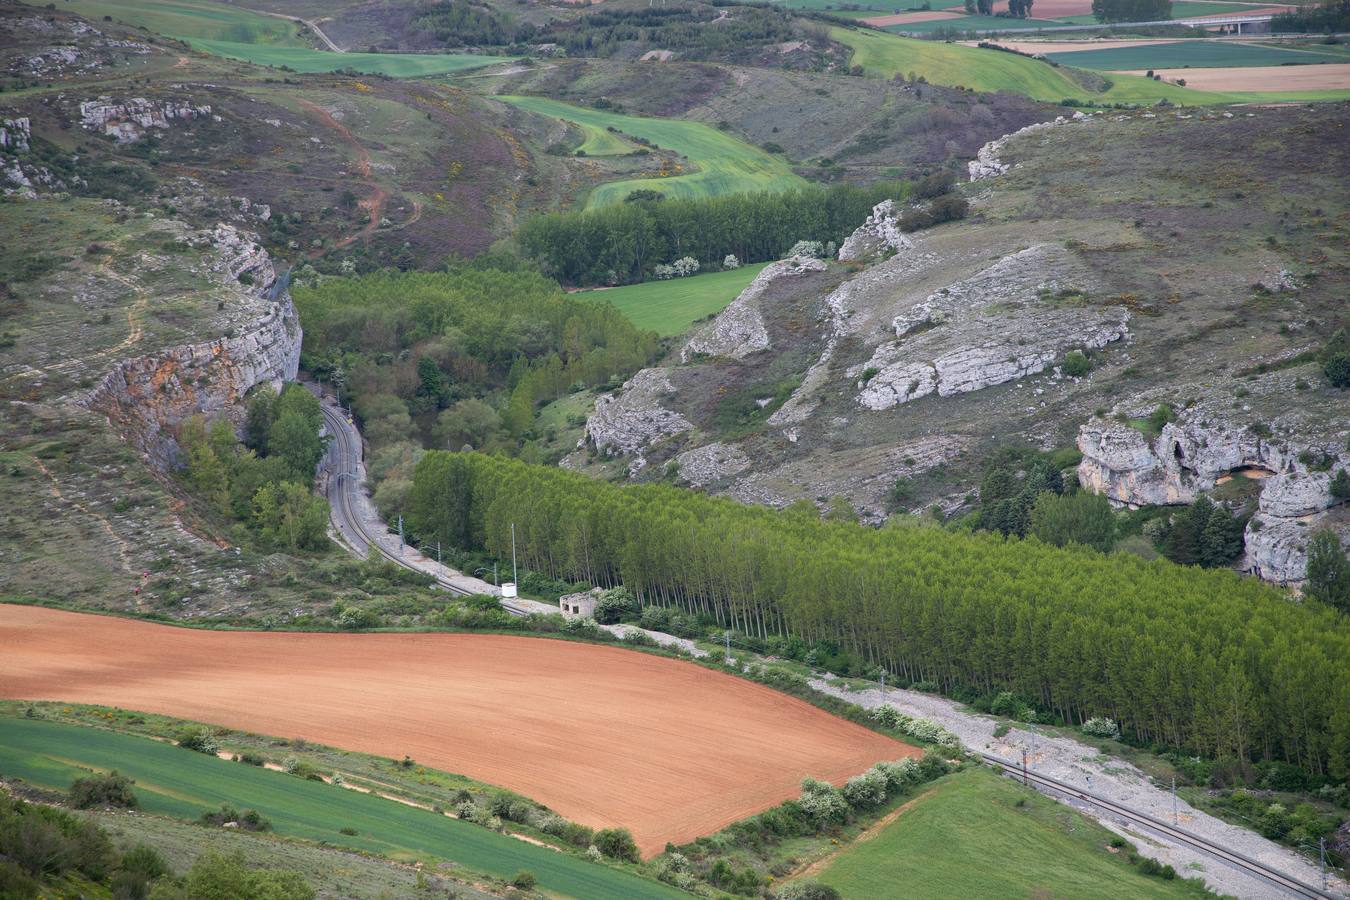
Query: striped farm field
x,y
604,736
182,784
714,162
670,307
1197,54
888,55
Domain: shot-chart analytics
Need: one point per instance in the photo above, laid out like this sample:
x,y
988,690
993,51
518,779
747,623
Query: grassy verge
x,y
976,834
722,164
182,784
670,307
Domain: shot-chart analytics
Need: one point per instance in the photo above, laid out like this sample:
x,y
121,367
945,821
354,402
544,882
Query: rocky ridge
x,y
128,120
148,396
738,330
1291,457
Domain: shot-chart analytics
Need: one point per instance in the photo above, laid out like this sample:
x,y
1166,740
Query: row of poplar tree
x,y
1180,656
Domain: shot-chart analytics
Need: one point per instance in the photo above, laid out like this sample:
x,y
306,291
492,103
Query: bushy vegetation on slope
x,y
1206,660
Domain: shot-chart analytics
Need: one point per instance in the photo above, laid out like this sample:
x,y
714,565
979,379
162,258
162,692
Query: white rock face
x,y
634,419
999,325
15,135
713,462
739,330
148,396
128,120
1190,455
877,235
987,164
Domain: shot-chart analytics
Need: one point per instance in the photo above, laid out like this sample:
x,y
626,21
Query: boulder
x,y
633,419
710,463
878,234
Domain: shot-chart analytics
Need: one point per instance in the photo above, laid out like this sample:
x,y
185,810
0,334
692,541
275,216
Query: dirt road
x,y
604,736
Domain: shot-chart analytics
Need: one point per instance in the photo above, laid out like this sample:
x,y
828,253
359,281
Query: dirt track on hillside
x,y
602,735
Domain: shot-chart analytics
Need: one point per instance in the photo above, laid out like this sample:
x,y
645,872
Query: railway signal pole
x,y
727,635
1174,800
400,534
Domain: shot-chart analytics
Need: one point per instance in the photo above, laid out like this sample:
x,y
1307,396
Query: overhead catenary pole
x,y
1174,800
400,534
513,555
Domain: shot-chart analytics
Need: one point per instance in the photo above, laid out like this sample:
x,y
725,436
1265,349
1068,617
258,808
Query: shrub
x,y
198,739
524,880
617,843
1076,364
248,820
98,791
614,605
216,876
1101,726
865,790
824,804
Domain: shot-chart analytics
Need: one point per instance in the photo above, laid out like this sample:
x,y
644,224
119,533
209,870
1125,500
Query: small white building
x,y
580,605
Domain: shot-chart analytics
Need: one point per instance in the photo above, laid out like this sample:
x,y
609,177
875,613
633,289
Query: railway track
x,y
347,523
1288,885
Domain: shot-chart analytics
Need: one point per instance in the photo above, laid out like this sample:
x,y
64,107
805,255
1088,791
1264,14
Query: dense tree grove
x,y
1331,17
1131,10
625,243
1209,661
265,481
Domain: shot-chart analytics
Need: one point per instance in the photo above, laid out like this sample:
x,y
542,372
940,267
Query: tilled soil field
x,y
604,736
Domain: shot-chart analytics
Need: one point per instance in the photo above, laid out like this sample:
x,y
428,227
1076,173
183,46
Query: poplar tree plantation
x,y
1199,659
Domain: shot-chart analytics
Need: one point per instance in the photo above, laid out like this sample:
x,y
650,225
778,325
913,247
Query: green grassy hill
x,y
720,163
192,19
889,55
670,307
184,784
976,834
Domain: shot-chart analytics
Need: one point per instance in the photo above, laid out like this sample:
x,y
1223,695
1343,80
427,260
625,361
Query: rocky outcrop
x,y
878,235
987,163
15,135
1005,322
711,463
128,120
739,330
148,396
1208,442
634,419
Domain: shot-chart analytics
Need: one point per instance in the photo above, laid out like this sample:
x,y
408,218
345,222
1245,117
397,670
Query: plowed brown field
x,y
604,736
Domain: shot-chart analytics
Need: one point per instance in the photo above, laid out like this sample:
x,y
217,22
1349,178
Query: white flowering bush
x,y
594,855
807,248
731,262
822,802
888,716
1101,726
865,790
899,773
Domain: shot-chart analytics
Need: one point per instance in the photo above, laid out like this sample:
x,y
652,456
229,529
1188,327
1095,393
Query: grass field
x,y
192,19
1191,53
722,164
670,307
183,784
303,59
989,70
968,837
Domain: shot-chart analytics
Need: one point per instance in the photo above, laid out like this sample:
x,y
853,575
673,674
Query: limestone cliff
x,y
146,397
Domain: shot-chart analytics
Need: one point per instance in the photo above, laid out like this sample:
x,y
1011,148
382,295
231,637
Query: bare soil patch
x,y
604,736
1324,77
906,18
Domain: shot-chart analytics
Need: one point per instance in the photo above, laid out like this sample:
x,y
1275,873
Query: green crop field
x,y
669,307
302,59
192,19
184,784
721,163
967,837
1197,54
888,55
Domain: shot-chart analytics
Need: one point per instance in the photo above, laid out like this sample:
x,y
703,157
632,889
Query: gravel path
x,y
1076,763
665,640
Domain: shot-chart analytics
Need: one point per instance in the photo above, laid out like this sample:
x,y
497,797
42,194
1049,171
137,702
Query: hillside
x,y
1203,277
